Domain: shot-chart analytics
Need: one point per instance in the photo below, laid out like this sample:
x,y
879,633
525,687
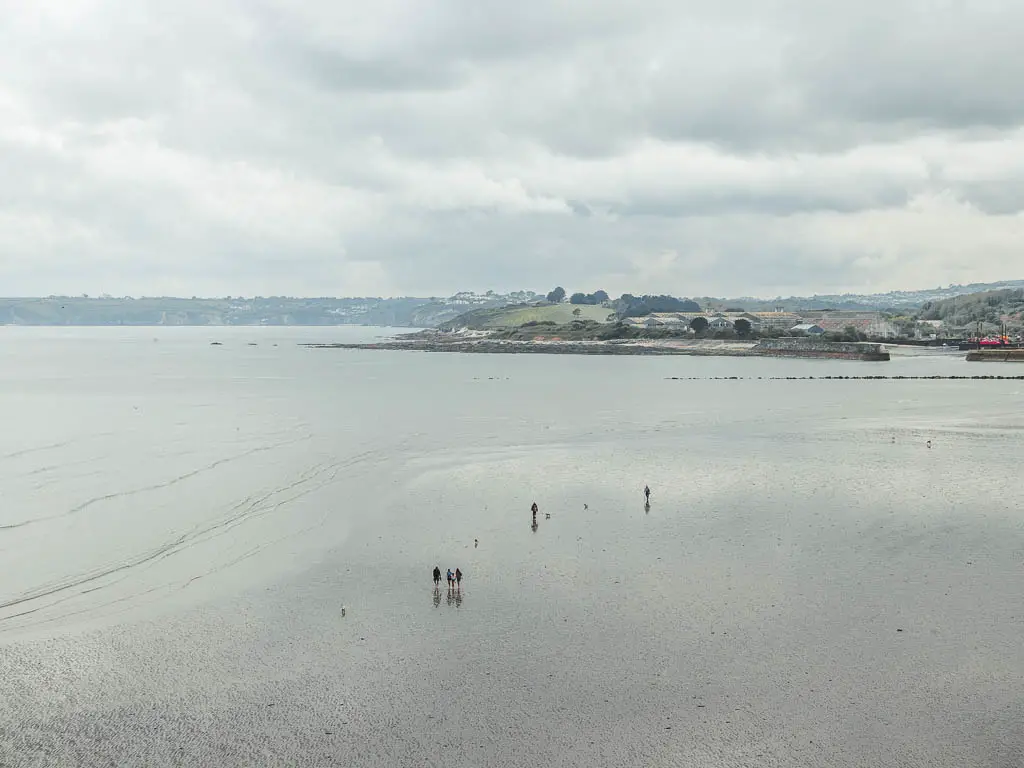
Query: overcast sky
x,y
335,147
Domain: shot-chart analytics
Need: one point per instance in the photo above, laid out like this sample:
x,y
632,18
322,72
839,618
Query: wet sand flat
x,y
737,622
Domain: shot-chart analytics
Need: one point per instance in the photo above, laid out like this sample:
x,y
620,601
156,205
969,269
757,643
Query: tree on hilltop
x,y
638,306
593,299
557,296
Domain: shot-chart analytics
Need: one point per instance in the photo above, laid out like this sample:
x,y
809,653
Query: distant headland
x,y
957,312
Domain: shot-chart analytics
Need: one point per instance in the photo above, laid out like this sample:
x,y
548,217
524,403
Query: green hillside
x,y
516,316
993,307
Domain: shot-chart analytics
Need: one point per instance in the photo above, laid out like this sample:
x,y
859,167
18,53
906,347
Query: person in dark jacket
x,y
437,576
458,578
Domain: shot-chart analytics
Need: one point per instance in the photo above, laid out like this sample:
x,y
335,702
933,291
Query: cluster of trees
x,y
596,298
557,296
741,328
987,307
627,305
849,333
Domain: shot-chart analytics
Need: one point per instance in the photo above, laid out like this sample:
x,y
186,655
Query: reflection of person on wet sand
x,y
437,597
458,599
533,525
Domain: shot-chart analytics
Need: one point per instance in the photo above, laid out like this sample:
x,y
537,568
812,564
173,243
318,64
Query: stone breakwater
x,y
839,350
764,348
996,356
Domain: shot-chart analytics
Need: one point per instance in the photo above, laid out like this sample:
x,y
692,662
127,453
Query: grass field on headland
x,y
561,314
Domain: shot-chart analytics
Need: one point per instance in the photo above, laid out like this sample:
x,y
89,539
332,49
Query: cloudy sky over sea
x,y
309,147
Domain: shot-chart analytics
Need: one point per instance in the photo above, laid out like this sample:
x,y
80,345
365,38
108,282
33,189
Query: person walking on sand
x,y
458,579
437,577
535,509
451,579
647,494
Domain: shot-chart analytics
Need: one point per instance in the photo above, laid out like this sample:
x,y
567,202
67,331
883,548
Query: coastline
x,y
475,344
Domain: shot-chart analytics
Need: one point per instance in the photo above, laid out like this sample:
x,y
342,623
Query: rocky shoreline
x,y
483,345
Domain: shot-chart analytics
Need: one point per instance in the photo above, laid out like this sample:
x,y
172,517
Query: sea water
x,y
185,511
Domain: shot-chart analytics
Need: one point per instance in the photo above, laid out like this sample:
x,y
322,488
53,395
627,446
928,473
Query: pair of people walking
x,y
454,578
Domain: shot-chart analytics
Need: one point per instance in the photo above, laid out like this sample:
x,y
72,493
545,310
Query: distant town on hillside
x,y
953,309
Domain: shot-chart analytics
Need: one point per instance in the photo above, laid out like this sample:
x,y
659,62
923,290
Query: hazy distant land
x,y
414,312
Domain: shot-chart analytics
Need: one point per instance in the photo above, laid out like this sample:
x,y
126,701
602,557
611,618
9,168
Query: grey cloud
x,y
766,202
996,198
337,71
580,209
234,146
952,65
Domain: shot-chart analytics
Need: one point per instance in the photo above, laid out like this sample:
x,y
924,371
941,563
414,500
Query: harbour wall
x,y
996,356
835,350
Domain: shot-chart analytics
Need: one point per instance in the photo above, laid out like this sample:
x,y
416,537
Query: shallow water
x,y
182,524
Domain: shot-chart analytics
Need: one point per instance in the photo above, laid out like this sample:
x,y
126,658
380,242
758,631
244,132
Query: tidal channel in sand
x,y
182,524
